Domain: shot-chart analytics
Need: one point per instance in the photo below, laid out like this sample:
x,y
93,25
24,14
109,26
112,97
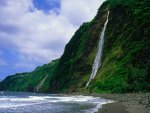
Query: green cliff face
x,y
126,57
75,65
125,61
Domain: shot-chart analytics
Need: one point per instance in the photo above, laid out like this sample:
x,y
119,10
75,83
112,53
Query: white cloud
x,y
39,37
79,11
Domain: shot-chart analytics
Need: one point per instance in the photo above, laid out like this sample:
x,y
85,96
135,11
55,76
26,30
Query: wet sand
x,y
135,108
116,107
126,103
125,107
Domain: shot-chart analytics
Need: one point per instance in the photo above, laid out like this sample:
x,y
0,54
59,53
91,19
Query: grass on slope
x,y
126,58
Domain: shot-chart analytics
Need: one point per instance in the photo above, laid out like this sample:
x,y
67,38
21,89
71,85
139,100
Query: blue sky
x,y
34,32
46,5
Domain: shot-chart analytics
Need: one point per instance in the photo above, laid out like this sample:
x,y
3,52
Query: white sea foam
x,y
14,102
98,106
47,98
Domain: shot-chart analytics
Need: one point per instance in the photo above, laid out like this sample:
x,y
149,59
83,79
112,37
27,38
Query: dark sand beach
x,y
116,107
126,103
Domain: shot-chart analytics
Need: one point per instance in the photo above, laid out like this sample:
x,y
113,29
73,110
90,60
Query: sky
x,y
34,32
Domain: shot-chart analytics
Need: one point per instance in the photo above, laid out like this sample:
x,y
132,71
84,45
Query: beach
x,y
126,103
116,107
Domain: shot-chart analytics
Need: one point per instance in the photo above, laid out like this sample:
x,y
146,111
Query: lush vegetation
x,y
30,81
124,3
125,66
75,65
126,56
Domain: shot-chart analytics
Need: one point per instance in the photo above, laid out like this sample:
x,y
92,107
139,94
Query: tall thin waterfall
x,y
97,61
41,83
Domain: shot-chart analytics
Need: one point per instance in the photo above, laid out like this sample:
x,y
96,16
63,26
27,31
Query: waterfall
x,y
41,83
97,61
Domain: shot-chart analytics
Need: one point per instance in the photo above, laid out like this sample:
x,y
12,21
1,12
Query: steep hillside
x,y
126,56
30,82
125,60
75,65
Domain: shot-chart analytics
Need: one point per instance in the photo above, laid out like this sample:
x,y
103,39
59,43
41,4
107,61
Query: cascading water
x,y
41,83
97,61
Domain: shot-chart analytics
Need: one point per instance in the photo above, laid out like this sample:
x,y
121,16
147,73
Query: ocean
x,y
20,102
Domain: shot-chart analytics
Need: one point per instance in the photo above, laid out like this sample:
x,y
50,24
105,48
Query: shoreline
x,y
115,107
123,107
126,103
123,103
